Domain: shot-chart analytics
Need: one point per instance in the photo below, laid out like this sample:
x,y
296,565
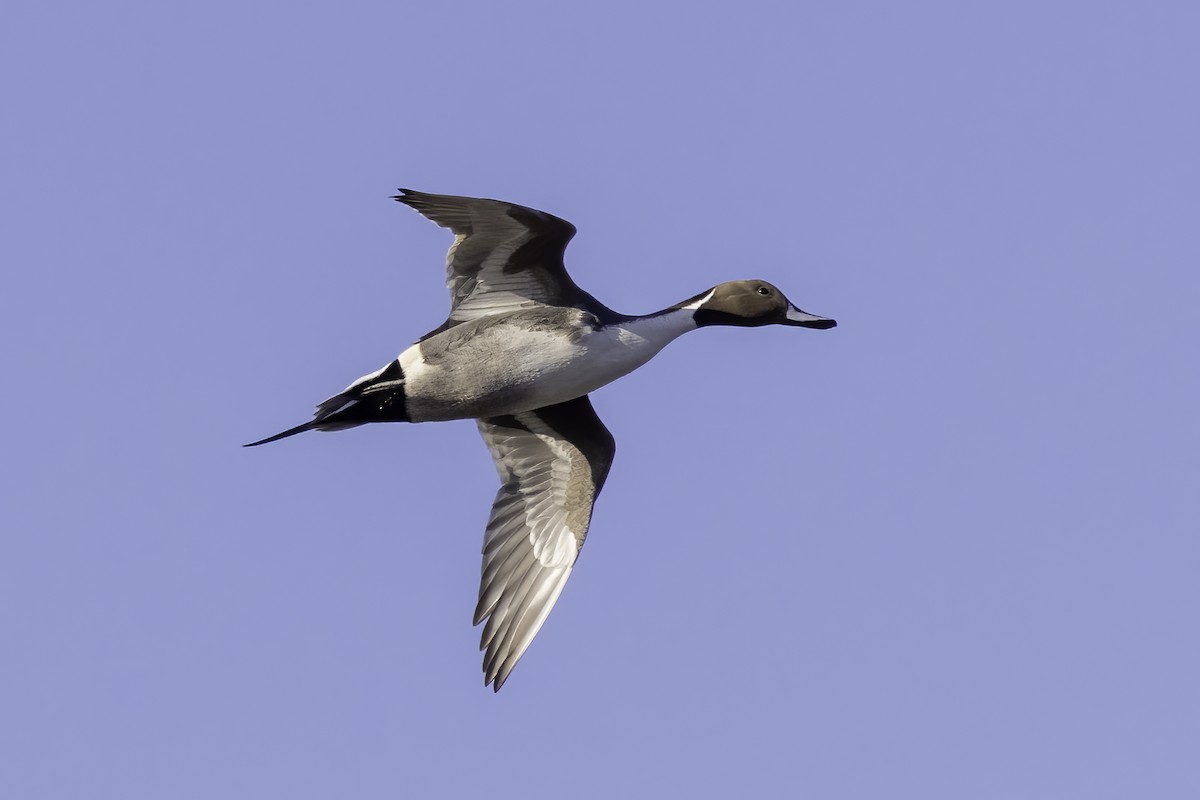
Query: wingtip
x,y
414,200
481,613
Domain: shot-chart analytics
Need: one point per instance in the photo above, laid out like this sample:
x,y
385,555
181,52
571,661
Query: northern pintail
x,y
520,351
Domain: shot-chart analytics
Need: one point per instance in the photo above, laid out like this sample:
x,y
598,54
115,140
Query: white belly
x,y
506,369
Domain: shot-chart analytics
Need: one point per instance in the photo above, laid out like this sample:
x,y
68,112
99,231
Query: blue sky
x,y
946,550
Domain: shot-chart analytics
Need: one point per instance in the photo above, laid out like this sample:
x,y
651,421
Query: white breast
x,y
617,350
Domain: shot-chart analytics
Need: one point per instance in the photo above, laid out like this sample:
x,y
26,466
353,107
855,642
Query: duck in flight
x,y
522,348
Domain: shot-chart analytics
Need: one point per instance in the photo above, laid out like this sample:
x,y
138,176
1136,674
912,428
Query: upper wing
x,y
504,256
552,462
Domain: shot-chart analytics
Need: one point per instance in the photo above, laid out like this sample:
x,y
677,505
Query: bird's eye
x,y
764,291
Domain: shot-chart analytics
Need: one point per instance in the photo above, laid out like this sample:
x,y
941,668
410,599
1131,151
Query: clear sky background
x,y
947,550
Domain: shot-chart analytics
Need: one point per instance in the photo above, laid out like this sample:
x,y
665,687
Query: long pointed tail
x,y
378,397
308,426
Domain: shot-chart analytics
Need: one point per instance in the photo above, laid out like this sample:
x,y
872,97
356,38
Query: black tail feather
x,y
378,397
308,426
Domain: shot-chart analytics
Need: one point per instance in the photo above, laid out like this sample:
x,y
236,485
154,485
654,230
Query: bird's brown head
x,y
750,304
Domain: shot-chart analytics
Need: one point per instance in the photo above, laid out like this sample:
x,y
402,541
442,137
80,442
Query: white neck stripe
x,y
700,302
